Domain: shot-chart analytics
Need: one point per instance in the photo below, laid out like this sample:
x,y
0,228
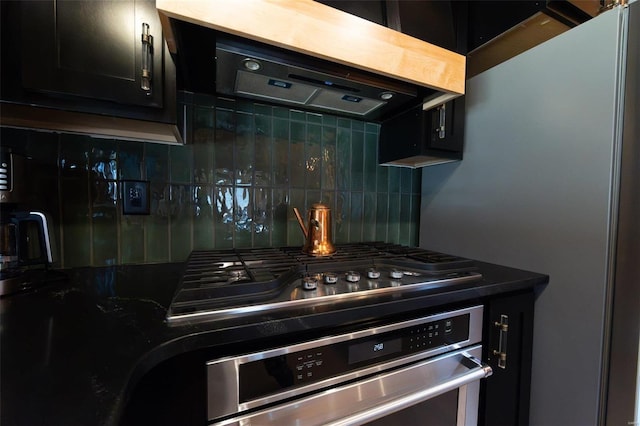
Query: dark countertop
x,y
72,352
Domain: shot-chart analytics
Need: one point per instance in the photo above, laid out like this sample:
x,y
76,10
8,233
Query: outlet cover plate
x,y
135,197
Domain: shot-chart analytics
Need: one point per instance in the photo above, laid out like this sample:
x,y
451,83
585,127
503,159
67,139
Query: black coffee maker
x,y
26,243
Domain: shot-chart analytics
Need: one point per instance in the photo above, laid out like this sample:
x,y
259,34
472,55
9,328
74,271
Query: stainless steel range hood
x,y
306,54
253,70
243,71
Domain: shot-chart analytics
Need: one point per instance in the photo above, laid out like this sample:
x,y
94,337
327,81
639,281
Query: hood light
x,y
252,64
385,96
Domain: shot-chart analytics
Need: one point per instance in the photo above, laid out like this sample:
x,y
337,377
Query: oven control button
x,y
352,276
330,278
309,283
448,326
396,274
373,273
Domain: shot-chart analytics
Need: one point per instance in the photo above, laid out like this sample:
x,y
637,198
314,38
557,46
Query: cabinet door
x,y
447,126
91,49
505,394
431,21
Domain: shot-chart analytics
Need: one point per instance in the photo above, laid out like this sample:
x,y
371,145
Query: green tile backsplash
x,y
234,184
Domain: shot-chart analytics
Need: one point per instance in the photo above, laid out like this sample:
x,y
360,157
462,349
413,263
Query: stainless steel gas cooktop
x,y
229,283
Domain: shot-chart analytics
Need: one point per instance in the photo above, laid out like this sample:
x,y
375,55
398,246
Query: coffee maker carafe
x,y
25,238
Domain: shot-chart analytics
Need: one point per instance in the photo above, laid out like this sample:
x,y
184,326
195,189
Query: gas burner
x,y
220,284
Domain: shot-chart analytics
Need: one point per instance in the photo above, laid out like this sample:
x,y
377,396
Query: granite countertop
x,y
72,352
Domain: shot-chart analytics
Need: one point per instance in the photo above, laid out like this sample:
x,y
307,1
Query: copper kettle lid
x,y
319,206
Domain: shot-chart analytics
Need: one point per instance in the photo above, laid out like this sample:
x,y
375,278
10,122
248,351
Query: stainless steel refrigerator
x,y
550,182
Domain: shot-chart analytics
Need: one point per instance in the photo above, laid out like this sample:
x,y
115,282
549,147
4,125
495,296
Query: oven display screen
x,y
373,349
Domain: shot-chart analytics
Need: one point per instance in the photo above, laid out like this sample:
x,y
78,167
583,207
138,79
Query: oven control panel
x,y
262,377
433,334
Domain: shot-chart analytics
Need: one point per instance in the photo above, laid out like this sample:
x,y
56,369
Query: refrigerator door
x,y
538,190
622,397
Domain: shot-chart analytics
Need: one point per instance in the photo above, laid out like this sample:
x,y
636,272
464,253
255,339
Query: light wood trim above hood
x,y
321,31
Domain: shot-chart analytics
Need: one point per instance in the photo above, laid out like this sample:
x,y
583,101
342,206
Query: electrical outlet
x,y
135,197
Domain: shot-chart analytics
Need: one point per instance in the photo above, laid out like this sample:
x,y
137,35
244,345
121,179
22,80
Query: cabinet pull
x,y
147,58
442,113
501,352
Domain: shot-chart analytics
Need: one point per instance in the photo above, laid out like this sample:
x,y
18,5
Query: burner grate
x,y
215,280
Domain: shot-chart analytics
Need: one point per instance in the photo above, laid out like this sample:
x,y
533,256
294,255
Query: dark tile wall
x,y
234,184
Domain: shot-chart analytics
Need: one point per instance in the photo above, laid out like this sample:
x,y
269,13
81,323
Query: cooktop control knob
x,y
396,274
373,273
330,278
309,283
352,276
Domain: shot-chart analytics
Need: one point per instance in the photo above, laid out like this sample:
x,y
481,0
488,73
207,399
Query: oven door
x,y
443,390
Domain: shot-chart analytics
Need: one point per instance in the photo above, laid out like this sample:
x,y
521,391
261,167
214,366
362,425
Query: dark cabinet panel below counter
x,y
509,337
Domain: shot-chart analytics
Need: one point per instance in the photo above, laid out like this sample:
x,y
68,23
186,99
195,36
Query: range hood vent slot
x,y
324,83
338,102
261,86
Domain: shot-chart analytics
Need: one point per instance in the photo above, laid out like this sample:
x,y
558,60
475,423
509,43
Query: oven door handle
x,y
477,371
379,395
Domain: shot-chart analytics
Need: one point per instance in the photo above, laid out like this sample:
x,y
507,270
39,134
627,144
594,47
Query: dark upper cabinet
x,y
488,19
418,138
443,23
439,22
502,29
92,49
371,10
88,56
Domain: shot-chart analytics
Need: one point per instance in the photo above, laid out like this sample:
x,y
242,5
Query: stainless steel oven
x,y
423,371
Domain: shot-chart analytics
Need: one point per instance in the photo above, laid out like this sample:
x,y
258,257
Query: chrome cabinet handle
x,y
501,352
147,58
442,121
